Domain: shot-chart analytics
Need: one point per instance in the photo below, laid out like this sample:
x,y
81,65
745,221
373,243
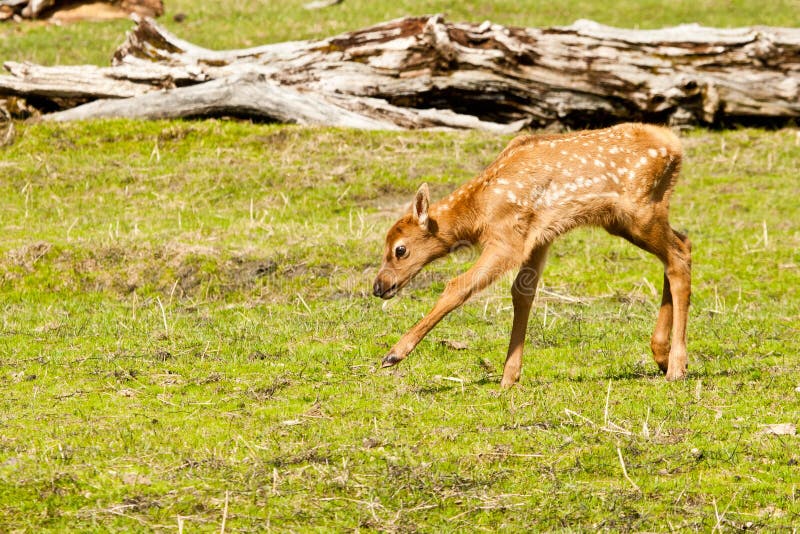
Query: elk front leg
x,y
523,292
490,265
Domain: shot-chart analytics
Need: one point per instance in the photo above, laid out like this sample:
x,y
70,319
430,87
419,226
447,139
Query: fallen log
x,y
424,72
251,96
75,10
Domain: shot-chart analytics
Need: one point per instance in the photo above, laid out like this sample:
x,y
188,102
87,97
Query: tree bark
x,y
35,9
423,72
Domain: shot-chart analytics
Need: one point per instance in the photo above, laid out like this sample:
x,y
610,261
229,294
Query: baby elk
x,y
538,188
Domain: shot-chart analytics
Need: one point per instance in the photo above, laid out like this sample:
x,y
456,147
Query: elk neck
x,y
457,218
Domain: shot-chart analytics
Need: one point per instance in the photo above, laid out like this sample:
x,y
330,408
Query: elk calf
x,y
537,189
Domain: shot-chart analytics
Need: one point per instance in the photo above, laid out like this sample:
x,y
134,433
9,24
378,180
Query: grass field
x,y
188,337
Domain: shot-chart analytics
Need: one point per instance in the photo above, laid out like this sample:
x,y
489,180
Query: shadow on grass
x,y
442,386
632,374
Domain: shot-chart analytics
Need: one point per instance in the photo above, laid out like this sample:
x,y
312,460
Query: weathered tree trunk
x,y
424,72
34,9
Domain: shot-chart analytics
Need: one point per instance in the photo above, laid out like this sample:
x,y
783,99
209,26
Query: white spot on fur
x,y
502,181
599,163
643,160
511,196
613,150
652,152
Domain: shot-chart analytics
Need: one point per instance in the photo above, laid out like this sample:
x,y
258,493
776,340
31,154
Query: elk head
x,y
411,244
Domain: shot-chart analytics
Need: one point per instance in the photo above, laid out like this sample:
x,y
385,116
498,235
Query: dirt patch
x,y
174,271
265,393
311,456
420,478
386,194
277,140
176,133
96,11
671,436
242,271
177,270
260,356
78,10
28,256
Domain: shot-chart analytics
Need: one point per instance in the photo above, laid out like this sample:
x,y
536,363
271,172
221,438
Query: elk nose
x,y
377,288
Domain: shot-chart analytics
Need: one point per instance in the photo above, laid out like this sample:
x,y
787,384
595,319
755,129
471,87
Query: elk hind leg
x,y
679,271
659,342
674,251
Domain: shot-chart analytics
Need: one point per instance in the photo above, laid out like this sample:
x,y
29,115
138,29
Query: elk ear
x,y
420,206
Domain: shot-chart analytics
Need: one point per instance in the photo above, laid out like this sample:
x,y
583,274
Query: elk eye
x,y
400,251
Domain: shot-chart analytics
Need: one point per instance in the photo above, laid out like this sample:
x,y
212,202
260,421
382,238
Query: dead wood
x,y
424,72
79,9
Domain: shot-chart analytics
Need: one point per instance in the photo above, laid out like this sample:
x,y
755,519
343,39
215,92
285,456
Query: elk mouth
x,y
385,293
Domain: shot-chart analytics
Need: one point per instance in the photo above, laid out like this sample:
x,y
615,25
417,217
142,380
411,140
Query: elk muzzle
x,y
386,285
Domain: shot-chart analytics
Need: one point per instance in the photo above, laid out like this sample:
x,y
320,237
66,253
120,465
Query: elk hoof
x,y
390,360
509,380
677,375
507,384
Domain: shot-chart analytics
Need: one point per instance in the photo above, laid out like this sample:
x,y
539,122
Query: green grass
x,y
258,381
252,22
186,320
